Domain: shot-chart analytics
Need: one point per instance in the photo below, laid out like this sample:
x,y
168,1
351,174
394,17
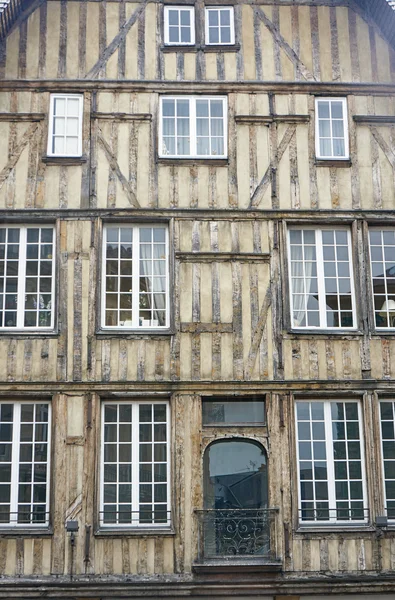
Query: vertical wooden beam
x,y
216,303
141,45
315,42
122,45
42,52
102,36
258,47
62,60
334,44
22,49
82,39
295,38
196,359
352,24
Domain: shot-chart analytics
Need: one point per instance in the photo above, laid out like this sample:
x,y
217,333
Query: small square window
x,y
179,25
220,26
65,125
331,128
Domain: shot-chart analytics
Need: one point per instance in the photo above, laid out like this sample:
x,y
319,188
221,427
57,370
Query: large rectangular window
x,y
65,125
179,25
321,278
387,414
330,456
27,277
24,463
193,127
331,128
382,260
135,464
135,276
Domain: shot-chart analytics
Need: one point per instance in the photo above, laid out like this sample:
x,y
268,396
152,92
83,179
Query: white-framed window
x,y
330,455
193,127
27,277
135,290
220,27
179,25
24,463
321,278
387,417
382,265
135,464
65,125
331,132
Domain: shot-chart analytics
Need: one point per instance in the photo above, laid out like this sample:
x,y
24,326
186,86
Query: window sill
x,y
133,532
242,565
190,162
343,163
25,532
67,161
333,529
26,335
134,333
203,48
295,334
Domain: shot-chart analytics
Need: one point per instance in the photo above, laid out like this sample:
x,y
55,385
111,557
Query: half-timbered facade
x,y
197,299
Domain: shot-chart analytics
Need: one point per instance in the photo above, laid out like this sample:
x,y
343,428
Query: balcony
x,y
243,537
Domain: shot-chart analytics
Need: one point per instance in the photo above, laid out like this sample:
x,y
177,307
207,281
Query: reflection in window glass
x,y
321,278
382,261
387,414
232,411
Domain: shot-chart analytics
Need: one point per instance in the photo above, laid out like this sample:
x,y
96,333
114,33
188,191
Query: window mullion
x,y
21,278
15,463
135,462
135,275
330,461
192,116
320,278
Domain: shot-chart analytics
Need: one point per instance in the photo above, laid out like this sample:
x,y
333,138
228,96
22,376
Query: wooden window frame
x,y
318,154
192,129
15,463
135,326
135,464
52,116
321,280
382,440
209,9
330,466
191,10
21,278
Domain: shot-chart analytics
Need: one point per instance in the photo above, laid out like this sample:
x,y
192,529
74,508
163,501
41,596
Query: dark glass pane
x,y
229,412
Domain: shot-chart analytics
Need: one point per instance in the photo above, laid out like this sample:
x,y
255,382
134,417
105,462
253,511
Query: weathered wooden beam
x,y
206,327
383,145
17,117
115,167
267,119
257,336
27,136
116,42
214,257
212,87
374,119
121,116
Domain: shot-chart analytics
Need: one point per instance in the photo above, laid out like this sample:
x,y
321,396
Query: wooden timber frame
x,y
230,331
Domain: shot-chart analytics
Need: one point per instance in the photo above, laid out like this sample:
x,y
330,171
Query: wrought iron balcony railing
x,y
227,533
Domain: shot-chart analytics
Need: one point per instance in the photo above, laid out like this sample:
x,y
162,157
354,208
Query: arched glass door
x,y
235,516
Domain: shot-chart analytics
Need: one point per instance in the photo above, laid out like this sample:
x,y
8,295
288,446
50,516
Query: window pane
x,y
230,412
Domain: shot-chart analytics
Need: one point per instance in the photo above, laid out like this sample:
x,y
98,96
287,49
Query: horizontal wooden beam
x,y
190,214
201,48
268,119
209,87
15,117
121,116
206,327
374,119
214,257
